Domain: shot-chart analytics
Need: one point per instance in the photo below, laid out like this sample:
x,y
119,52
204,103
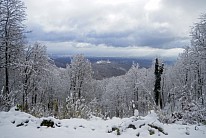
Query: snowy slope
x,y
15,124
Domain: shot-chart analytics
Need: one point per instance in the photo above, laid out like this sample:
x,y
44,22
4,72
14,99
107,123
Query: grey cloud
x,y
186,4
116,23
37,34
138,37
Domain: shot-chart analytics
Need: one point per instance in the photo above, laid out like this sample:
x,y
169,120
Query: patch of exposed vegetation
x,y
48,123
132,126
151,131
115,129
158,128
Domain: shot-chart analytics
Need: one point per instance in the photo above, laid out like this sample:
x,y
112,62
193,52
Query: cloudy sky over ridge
x,y
113,27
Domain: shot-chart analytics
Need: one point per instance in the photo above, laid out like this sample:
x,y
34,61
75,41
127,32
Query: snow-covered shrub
x,y
95,109
77,109
191,114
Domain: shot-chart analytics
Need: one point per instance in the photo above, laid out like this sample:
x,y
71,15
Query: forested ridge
x,y
31,81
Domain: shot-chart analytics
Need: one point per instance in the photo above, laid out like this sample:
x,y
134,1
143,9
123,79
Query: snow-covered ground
x,y
16,124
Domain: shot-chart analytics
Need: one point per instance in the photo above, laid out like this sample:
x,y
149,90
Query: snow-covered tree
x,y
33,69
185,81
12,32
80,72
114,98
132,78
198,46
139,88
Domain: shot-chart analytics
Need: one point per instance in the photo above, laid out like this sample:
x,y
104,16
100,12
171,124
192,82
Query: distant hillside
x,y
106,67
107,70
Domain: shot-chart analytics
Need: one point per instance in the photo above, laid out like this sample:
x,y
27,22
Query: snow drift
x,y
16,124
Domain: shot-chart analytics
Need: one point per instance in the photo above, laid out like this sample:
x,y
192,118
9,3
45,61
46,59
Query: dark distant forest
x,y
118,66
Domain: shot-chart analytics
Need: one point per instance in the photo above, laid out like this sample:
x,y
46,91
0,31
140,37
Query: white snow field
x,y
16,124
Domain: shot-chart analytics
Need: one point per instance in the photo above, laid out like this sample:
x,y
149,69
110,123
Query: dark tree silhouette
x,y
157,94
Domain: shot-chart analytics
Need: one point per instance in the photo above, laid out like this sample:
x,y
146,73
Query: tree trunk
x,y
6,92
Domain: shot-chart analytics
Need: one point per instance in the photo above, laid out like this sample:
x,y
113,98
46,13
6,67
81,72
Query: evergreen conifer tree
x,y
157,94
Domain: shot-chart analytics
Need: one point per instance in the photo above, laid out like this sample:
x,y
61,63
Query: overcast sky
x,y
139,28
